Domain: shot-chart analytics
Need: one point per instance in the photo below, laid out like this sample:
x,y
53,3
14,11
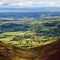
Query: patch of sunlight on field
x,y
48,42
14,33
6,40
7,18
14,42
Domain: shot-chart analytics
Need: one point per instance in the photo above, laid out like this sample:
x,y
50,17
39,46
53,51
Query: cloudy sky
x,y
29,3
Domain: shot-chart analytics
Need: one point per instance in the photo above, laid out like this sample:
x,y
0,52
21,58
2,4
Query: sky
x,y
29,3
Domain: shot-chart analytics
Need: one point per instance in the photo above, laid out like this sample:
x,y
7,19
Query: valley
x,y
29,36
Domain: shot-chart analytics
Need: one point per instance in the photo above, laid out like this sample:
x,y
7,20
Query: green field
x,y
29,32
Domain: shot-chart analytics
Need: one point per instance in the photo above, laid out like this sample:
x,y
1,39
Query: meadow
x,y
30,32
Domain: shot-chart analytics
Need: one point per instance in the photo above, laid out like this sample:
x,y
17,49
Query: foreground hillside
x,y
47,52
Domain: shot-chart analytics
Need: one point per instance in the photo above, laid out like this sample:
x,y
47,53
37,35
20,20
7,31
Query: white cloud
x,y
29,3
2,2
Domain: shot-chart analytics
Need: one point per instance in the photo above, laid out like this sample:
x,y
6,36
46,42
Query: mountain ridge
x,y
31,9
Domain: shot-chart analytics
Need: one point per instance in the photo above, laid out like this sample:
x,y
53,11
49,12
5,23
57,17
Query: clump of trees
x,y
10,27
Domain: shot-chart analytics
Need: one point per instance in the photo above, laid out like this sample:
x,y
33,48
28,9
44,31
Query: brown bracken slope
x,y
46,52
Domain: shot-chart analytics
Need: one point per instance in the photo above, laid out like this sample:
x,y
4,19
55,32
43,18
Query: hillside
x,y
47,52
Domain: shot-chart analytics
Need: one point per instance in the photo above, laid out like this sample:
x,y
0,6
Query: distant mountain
x,y
36,9
31,14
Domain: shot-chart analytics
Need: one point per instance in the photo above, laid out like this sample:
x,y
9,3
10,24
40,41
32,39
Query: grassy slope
x,y
39,53
33,40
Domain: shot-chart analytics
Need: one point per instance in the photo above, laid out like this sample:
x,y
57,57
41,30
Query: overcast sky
x,y
29,3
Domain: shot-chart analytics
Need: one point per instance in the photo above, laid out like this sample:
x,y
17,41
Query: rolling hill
x,y
45,52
